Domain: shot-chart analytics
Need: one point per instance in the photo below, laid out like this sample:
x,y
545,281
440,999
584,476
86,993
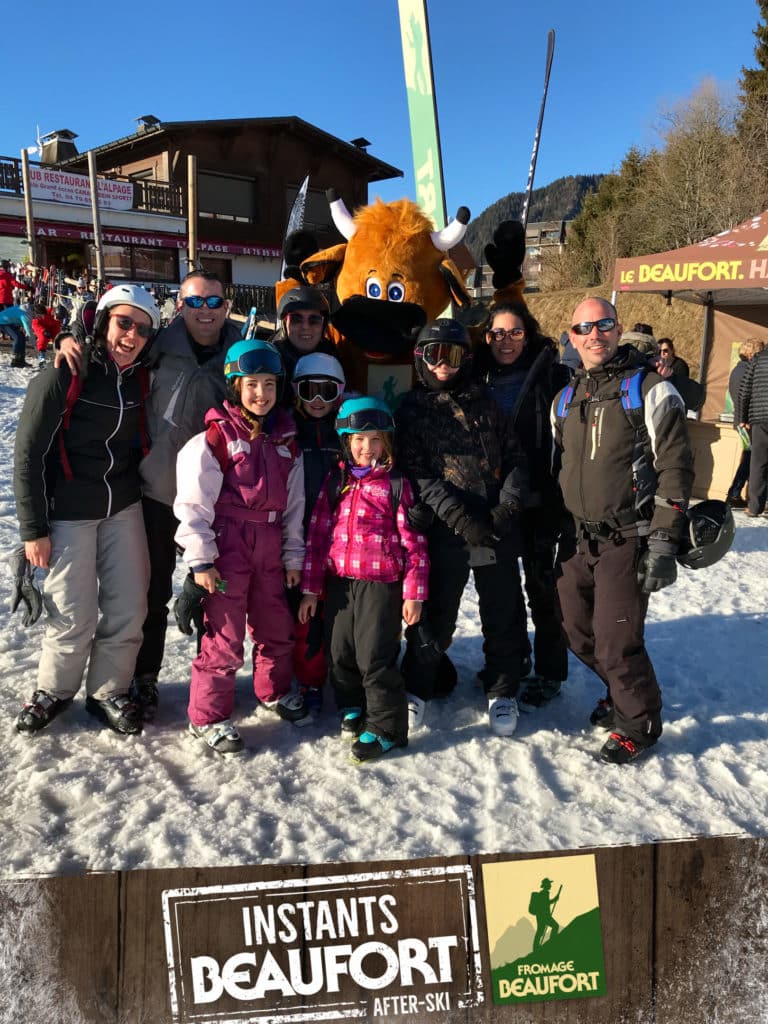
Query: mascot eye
x,y
373,288
395,292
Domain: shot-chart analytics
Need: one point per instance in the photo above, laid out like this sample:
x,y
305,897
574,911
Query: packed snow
x,y
79,797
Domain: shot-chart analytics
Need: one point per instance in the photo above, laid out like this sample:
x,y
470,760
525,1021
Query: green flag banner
x,y
422,110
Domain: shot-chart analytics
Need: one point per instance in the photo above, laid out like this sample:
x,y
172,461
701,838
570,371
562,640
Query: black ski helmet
x,y
711,530
302,297
443,331
448,331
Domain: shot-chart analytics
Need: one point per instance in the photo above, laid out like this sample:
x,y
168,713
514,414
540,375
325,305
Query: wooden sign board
x,y
680,928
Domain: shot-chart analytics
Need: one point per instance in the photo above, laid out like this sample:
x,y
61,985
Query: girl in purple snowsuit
x,y
240,505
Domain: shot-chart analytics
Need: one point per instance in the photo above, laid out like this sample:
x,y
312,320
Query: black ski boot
x,y
119,713
35,714
143,691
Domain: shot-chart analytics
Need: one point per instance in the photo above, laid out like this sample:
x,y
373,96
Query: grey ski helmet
x,y
711,530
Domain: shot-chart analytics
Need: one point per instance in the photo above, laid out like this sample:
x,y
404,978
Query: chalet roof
x,y
378,170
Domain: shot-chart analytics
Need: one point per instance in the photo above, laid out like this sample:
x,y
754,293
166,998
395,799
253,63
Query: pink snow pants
x,y
251,563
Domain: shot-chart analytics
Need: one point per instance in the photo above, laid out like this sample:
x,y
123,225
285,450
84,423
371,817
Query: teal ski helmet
x,y
246,358
360,414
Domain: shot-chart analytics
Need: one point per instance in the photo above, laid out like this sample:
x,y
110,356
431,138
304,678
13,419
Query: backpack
x,y
644,480
533,903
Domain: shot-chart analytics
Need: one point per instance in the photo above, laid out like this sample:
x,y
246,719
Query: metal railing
x,y
148,196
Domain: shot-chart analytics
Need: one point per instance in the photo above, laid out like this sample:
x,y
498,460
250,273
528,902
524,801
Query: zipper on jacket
x,y
121,407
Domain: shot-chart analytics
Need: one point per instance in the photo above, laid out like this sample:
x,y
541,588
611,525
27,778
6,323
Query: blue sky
x,y
617,67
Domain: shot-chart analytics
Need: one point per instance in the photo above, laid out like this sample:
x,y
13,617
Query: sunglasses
x,y
313,319
125,323
197,301
309,388
436,352
605,324
251,363
514,334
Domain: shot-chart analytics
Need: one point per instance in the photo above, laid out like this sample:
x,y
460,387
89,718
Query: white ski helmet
x,y
320,364
125,295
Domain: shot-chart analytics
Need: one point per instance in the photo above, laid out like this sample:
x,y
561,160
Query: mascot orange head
x,y
392,274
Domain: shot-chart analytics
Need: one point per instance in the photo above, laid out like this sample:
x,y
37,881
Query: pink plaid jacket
x,y
359,540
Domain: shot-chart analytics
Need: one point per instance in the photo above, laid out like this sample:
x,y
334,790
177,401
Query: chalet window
x,y
226,197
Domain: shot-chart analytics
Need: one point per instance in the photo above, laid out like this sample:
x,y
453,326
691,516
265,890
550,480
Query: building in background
x,y
249,172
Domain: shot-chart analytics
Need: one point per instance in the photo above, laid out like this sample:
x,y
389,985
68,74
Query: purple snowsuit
x,y
245,518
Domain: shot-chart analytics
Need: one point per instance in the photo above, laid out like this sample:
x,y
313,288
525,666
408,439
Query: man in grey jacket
x,y
188,380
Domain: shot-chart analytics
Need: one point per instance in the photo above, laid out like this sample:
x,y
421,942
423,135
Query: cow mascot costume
x,y
392,275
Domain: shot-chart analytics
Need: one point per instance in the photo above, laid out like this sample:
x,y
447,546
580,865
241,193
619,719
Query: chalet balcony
x,y
148,196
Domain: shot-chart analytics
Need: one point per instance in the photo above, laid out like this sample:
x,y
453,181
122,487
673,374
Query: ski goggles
x,y
325,388
198,301
436,352
365,419
251,363
125,323
604,325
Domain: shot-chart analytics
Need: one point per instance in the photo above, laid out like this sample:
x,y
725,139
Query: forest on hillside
x,y
708,173
560,200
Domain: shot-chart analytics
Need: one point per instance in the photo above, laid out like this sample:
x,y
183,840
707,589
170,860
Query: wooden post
x,y
96,222
31,243
192,211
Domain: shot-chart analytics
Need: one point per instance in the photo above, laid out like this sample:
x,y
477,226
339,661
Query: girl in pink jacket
x,y
240,505
373,568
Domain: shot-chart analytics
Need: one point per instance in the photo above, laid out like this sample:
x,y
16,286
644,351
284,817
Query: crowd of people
x,y
318,521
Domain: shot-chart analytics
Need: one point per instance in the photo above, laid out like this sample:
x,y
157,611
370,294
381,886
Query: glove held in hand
x,y
188,606
657,567
24,590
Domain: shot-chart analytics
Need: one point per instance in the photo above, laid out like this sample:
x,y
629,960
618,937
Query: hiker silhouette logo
x,y
544,936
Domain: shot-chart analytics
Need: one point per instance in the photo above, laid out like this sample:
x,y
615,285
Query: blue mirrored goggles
x,y
197,301
251,363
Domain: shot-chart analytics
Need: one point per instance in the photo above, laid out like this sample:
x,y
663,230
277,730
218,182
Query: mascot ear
x,y
455,282
325,265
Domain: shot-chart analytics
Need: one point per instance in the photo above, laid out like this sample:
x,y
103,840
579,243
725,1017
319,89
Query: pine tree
x,y
752,123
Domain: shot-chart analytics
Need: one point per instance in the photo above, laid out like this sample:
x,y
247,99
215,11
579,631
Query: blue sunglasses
x,y
197,301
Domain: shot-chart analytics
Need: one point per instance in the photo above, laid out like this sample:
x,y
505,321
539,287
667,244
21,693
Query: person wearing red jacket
x,y
7,283
46,327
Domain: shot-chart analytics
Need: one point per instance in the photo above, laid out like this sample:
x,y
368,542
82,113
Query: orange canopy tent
x,y
728,274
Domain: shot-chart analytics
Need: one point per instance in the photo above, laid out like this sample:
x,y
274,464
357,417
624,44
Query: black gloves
x,y
423,646
24,590
484,529
299,245
505,254
476,530
420,517
188,606
504,520
657,567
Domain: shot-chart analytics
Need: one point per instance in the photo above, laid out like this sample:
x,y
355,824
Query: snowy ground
x,y
78,797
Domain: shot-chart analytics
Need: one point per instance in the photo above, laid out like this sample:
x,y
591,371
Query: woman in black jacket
x,y
520,369
469,476
78,501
